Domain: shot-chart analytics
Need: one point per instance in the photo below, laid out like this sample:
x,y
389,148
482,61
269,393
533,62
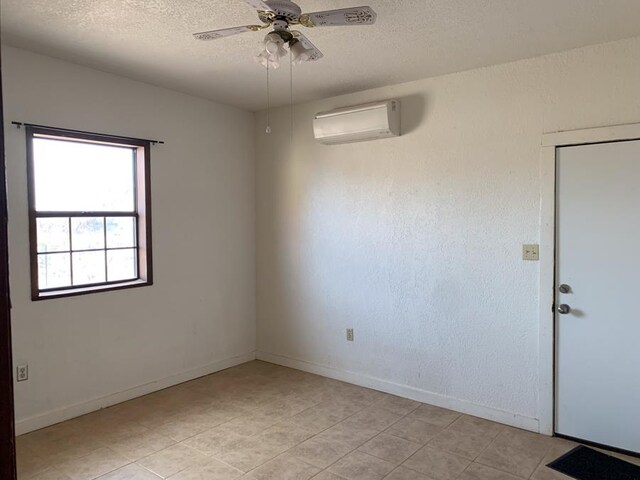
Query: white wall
x,y
416,241
199,316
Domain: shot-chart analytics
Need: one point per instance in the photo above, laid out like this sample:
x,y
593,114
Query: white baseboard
x,y
52,417
500,416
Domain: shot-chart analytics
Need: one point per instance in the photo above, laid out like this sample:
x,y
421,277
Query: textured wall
x,y
416,241
200,313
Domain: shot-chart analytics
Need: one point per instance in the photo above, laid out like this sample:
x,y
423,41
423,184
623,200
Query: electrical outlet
x,y
349,334
531,252
22,372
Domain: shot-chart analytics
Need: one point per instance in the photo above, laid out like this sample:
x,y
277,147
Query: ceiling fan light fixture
x,y
300,53
262,58
272,50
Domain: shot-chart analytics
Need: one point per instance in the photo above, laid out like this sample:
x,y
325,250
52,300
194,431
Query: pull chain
x,y
268,129
291,91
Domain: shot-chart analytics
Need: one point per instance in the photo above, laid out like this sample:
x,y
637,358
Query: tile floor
x,y
261,421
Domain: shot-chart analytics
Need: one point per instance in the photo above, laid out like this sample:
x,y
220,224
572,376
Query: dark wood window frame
x,y
142,212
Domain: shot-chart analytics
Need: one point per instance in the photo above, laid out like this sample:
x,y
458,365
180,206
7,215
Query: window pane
x,y
121,232
88,267
53,234
76,176
121,265
87,233
54,270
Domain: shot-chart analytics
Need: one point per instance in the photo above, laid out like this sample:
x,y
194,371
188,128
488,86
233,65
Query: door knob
x,y
564,309
564,288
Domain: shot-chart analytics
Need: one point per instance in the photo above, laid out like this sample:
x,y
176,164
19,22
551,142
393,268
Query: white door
x,y
598,319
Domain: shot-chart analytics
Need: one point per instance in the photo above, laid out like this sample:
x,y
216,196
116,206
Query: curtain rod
x,y
68,130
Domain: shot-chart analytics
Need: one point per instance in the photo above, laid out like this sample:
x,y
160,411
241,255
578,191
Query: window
x,y
90,212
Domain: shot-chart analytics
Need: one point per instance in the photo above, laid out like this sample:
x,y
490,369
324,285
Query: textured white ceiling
x,y
150,40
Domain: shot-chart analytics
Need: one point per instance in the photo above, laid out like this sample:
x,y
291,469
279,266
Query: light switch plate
x,y
531,252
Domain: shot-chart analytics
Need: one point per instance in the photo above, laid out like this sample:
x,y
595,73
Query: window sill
x,y
74,292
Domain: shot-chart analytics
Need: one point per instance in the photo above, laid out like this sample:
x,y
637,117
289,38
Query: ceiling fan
x,y
281,14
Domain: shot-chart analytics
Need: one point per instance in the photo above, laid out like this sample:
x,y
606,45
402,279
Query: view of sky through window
x,y
80,176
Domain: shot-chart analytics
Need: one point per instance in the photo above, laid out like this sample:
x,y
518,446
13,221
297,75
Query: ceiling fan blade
x,y
259,5
343,16
314,52
227,32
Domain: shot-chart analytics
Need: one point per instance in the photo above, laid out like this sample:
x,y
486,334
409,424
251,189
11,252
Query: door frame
x,y
546,353
7,425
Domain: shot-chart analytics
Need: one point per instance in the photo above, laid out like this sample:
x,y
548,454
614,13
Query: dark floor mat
x,y
584,463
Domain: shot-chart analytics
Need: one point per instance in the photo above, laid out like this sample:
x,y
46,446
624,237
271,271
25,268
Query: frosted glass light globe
x,y
272,47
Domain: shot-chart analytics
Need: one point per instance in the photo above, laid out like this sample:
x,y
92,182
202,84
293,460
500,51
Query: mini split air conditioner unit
x,y
359,123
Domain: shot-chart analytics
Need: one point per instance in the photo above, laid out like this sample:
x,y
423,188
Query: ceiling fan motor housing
x,y
285,9
282,31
